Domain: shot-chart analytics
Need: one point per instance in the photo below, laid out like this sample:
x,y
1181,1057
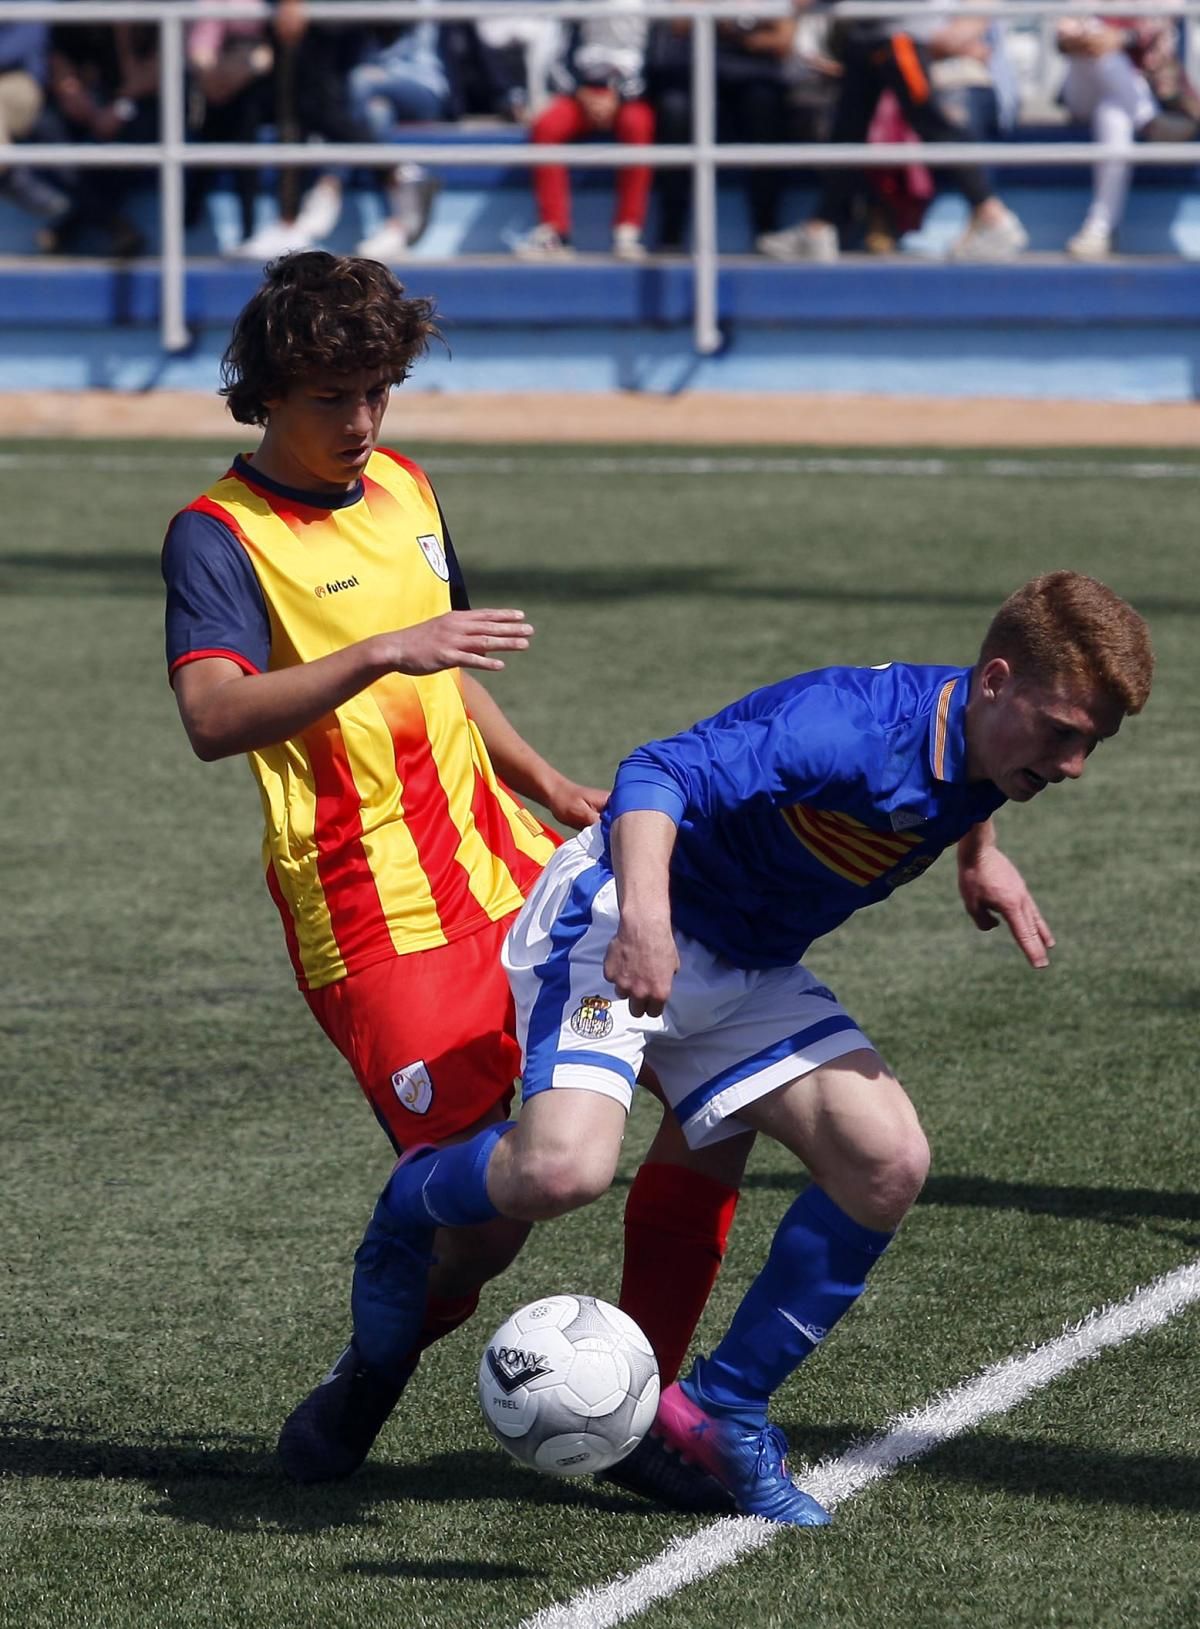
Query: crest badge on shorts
x,y
431,548
413,1087
592,1018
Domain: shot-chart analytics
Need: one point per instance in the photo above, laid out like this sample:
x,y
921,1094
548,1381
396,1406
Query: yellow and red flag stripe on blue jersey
x,y
845,845
387,830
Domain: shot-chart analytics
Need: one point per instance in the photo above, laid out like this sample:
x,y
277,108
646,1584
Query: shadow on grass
x,y
132,572
1031,1467
234,1484
1092,1476
1121,1207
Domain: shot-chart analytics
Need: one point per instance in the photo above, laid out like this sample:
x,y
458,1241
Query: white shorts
x,y
728,1034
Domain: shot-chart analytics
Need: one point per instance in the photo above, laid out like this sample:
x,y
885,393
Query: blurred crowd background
x,y
801,78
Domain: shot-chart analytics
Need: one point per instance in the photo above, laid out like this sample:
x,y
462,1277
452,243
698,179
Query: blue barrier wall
x,y
1041,327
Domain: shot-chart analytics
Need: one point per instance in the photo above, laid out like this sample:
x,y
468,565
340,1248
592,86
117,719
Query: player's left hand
x,y
576,806
994,891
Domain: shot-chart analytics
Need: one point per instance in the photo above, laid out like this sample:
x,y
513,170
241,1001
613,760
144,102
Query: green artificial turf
x,y
187,1165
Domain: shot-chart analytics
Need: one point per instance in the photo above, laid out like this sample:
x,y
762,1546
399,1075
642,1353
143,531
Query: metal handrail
x,y
173,153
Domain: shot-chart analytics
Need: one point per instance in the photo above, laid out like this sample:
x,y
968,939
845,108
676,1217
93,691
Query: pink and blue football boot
x,y
748,1461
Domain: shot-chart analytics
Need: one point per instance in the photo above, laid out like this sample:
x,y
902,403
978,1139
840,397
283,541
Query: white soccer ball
x,y
568,1385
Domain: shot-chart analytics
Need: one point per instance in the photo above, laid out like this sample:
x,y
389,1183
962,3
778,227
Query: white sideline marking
x,y
680,464
993,1391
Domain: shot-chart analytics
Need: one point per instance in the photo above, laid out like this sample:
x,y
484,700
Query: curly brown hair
x,y
317,312
1065,628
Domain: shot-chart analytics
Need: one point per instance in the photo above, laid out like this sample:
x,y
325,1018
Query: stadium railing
x,y
172,154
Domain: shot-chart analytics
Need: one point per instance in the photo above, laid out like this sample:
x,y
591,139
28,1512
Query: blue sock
x,y
445,1187
815,1271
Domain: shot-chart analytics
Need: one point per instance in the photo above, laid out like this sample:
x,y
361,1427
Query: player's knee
x,y
895,1177
553,1182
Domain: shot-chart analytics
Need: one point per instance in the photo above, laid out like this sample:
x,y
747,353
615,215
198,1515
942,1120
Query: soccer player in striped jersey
x,y
318,621
673,931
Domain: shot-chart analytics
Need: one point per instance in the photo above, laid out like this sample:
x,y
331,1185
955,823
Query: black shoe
x,y
330,1433
656,1473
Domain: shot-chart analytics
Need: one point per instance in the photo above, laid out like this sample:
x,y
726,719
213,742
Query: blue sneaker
x,y
330,1433
749,1462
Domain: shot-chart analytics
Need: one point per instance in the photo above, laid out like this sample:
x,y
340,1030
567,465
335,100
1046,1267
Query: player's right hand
x,y
457,639
641,965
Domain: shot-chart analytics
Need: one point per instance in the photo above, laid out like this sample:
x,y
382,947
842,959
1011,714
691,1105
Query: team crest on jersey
x,y
592,1018
413,1087
431,548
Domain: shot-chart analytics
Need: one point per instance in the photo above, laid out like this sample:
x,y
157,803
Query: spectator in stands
x,y
877,57
1126,80
753,92
601,92
403,78
103,84
230,66
520,53
23,70
311,92
977,89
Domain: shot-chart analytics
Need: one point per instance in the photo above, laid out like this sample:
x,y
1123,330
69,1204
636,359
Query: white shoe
x,y
627,243
272,240
812,240
1093,241
389,243
320,209
1003,239
543,243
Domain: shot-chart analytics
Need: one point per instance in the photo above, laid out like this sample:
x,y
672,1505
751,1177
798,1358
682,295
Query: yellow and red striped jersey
x,y
387,830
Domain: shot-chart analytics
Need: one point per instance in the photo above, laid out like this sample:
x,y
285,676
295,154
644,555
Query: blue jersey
x,y
807,800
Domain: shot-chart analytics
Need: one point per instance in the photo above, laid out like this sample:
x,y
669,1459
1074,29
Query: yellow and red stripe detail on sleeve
x,y
845,845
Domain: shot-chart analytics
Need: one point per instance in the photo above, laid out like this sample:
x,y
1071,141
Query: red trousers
x,y
563,120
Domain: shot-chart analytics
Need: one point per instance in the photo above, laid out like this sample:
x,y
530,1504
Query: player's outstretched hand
x,y
641,965
576,806
458,639
994,891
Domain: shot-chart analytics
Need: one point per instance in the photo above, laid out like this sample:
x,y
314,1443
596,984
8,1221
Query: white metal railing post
x,y
705,326
172,133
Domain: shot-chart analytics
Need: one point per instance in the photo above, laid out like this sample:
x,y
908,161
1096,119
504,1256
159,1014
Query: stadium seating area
x,y
1140,309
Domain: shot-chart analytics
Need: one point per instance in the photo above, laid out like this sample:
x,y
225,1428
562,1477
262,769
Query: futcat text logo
x,y
335,587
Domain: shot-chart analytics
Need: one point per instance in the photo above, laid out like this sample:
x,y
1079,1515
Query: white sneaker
x,y
812,240
1093,241
627,243
543,243
320,209
272,240
1000,240
388,242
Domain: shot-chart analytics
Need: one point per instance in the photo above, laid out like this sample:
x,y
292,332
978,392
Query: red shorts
x,y
429,1036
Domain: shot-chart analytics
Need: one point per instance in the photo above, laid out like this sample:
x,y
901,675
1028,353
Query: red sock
x,y
443,1315
676,1225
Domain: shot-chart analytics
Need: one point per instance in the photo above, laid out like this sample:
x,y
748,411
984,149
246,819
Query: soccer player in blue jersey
x,y
672,933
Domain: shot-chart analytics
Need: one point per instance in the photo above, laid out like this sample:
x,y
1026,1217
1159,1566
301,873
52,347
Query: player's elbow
x,y
208,746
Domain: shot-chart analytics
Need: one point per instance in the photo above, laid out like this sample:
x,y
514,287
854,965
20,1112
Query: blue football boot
x,y
749,1462
330,1433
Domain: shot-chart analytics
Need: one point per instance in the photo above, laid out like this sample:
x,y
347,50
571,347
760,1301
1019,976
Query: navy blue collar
x,y
243,467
